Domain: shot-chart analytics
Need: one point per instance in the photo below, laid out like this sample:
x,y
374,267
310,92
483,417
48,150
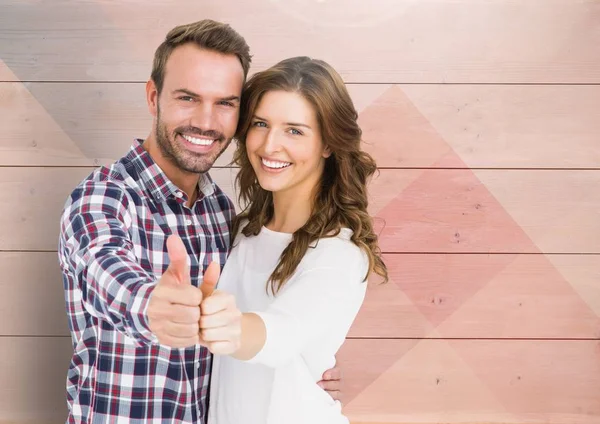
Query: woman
x,y
304,246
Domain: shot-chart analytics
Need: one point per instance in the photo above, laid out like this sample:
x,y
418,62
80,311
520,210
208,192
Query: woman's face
x,y
284,144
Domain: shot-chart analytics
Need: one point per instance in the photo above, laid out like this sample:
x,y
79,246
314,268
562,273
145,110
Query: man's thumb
x,y
209,282
178,258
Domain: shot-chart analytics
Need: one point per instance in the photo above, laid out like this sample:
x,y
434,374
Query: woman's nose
x,y
271,142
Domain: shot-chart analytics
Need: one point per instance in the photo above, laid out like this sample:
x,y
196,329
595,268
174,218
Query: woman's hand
x,y
220,324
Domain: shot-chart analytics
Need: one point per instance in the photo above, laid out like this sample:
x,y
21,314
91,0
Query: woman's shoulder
x,y
337,252
240,223
239,227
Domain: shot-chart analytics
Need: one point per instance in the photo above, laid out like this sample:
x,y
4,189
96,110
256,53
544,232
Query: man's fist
x,y
221,320
173,310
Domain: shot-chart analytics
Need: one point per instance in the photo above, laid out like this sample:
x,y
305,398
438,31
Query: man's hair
x,y
206,34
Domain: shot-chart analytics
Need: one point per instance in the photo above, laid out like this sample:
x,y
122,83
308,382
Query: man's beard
x,y
184,159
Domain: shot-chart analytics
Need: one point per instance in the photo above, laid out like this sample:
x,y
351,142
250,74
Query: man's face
x,y
197,111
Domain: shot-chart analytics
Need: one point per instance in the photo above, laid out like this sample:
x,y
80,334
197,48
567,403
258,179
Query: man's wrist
x,y
137,313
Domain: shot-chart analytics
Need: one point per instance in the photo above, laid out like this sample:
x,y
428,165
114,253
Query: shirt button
x,y
188,222
178,194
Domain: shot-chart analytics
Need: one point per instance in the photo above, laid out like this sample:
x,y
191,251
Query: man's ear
x,y
152,97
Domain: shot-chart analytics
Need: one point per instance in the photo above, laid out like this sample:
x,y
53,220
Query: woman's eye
x,y
260,124
294,131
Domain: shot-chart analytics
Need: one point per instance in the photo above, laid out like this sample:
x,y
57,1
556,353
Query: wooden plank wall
x,y
483,117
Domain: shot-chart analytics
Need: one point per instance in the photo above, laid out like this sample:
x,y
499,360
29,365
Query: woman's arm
x,y
321,301
254,335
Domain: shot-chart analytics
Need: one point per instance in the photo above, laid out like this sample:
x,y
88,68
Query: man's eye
x,y
186,98
229,104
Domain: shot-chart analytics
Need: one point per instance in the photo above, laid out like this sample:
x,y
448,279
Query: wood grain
x,y
483,116
33,371
484,126
33,295
487,211
471,381
385,381
379,41
428,296
456,126
33,200
456,211
483,296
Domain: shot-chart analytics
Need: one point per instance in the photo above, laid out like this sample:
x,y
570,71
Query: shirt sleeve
x,y
95,250
319,302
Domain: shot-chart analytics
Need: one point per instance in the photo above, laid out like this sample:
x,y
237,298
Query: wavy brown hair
x,y
341,198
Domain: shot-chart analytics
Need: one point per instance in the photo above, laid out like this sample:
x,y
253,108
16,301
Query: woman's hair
x,y
341,198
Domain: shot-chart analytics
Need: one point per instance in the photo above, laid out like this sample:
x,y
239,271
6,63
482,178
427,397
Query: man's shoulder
x,y
112,181
119,174
220,193
225,202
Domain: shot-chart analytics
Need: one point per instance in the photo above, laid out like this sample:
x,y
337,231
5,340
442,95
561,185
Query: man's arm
x,y
96,250
332,382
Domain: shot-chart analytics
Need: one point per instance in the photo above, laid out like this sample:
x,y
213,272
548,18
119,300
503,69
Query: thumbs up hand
x,y
220,320
178,266
173,309
209,282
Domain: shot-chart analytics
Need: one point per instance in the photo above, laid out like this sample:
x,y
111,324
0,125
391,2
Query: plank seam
x,y
386,253
584,339
346,82
381,168
549,339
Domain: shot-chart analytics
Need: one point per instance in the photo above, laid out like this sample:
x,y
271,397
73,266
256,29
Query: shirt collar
x,y
156,181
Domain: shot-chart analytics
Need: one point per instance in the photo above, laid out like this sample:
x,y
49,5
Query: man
x,y
132,297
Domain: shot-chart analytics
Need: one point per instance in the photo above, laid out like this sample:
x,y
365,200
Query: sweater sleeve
x,y
320,301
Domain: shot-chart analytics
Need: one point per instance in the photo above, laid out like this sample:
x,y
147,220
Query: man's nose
x,y
204,117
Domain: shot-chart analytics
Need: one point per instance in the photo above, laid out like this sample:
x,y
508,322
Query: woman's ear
x,y
326,152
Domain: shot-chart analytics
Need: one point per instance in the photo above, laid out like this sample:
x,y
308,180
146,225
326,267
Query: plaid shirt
x,y
112,250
